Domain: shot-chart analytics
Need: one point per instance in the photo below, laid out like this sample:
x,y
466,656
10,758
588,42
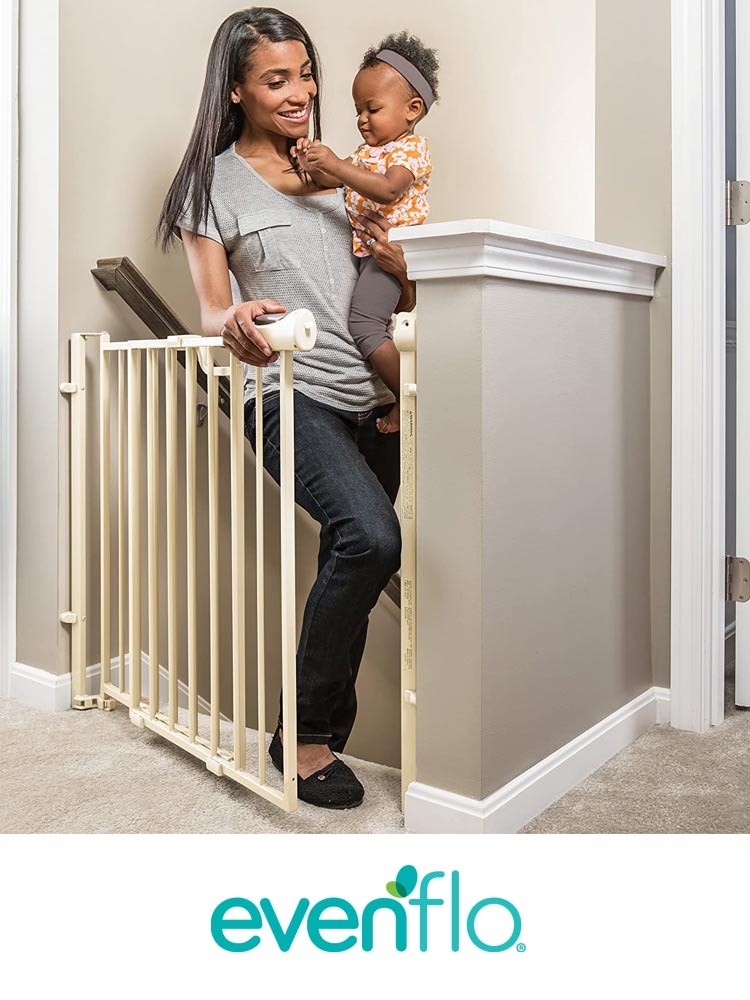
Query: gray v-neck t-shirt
x,y
297,250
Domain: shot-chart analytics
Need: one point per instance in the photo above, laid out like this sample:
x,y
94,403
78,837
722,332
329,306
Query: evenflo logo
x,y
490,924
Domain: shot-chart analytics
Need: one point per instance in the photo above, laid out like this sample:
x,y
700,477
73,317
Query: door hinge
x,y
737,579
738,203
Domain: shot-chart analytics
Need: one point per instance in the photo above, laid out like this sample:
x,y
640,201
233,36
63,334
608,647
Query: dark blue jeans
x,y
346,478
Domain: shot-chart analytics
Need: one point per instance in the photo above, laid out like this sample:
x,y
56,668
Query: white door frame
x,y
8,333
698,364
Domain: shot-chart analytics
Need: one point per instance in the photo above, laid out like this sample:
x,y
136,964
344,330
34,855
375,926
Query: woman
x,y
242,204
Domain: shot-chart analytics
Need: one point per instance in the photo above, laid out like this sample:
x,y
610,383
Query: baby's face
x,y
385,107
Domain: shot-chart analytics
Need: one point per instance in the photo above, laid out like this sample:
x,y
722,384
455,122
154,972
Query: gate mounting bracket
x,y
84,701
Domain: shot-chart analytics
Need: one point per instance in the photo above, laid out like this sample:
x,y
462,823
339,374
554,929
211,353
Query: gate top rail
x,y
180,343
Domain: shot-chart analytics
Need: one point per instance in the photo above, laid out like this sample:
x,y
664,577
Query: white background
x,y
628,916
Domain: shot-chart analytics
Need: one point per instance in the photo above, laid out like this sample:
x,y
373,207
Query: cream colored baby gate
x,y
294,332
123,477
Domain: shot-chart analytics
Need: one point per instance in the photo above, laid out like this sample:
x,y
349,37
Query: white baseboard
x,y
51,693
433,810
41,689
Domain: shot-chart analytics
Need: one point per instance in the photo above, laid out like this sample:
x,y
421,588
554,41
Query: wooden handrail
x,y
120,275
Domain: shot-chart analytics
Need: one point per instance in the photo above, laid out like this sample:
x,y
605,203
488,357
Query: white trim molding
x,y
739,435
433,810
52,692
8,334
41,689
698,364
486,247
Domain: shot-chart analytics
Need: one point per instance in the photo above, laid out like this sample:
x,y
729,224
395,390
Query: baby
x,y
390,174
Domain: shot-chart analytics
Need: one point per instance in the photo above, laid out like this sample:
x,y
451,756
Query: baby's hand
x,y
320,157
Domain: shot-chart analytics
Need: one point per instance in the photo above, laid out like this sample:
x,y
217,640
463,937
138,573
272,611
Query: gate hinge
x,y
68,618
68,388
738,203
737,579
410,697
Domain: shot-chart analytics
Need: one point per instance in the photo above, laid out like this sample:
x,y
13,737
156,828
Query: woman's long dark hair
x,y
219,121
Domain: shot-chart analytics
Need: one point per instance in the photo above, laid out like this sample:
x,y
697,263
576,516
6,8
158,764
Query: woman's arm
x,y
209,270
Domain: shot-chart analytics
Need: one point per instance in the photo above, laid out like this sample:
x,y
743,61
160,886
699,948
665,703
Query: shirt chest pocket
x,y
267,240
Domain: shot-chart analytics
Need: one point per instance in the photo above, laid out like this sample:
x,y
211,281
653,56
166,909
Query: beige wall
x,y
533,514
513,135
565,628
633,208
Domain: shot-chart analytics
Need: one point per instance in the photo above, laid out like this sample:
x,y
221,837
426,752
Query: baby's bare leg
x,y
387,363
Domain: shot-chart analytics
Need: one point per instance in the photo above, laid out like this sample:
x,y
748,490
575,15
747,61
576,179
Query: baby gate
x,y
154,709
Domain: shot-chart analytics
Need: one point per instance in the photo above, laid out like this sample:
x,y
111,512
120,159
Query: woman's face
x,y
276,94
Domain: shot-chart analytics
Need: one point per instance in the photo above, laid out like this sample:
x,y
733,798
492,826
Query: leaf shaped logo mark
x,y
404,882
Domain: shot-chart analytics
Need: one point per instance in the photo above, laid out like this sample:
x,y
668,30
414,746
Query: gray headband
x,y
410,73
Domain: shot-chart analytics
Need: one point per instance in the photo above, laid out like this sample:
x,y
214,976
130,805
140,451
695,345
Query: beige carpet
x,y
95,772
666,782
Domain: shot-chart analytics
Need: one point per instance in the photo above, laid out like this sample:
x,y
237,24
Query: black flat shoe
x,y
334,786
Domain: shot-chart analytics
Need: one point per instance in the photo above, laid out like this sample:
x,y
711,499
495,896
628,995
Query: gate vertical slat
x,y
192,600
288,604
134,524
260,575
237,438
171,435
213,544
152,457
121,480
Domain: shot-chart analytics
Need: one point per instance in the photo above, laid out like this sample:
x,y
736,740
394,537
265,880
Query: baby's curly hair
x,y
413,49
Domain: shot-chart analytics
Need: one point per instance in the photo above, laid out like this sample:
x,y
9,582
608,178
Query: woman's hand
x,y
390,256
243,338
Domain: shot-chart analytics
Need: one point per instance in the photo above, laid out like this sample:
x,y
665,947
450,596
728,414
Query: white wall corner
x,y
433,810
